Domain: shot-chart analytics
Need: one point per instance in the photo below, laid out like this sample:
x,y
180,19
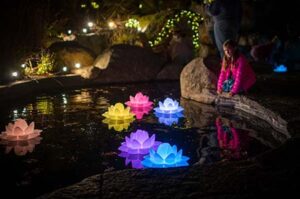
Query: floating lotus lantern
x,y
169,106
134,159
21,147
139,142
166,156
118,125
139,100
20,131
139,112
118,112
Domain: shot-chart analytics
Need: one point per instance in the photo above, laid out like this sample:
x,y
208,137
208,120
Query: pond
x,y
75,142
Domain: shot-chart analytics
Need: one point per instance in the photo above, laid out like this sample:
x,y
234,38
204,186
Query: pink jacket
x,y
242,73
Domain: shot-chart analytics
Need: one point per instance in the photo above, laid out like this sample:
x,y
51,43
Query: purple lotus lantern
x,y
139,100
166,156
139,142
134,159
169,106
139,112
20,130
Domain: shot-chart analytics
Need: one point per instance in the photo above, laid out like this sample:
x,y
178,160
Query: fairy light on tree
x,y
193,21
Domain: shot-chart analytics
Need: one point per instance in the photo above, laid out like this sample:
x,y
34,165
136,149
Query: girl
x,y
236,73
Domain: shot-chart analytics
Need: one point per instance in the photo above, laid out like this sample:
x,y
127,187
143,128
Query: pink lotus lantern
x,y
139,100
139,143
21,147
20,131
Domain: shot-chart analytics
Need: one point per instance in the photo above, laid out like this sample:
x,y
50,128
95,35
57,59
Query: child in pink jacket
x,y
236,73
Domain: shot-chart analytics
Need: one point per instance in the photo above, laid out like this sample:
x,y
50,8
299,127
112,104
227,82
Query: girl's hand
x,y
230,94
219,92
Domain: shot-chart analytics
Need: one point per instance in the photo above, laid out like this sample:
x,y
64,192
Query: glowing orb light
x,y
280,69
118,125
21,147
118,112
168,119
20,131
139,142
169,106
139,100
166,156
134,159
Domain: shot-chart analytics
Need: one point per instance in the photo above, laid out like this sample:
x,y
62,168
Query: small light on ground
x,y
90,24
69,32
65,69
14,74
112,25
23,65
77,65
84,30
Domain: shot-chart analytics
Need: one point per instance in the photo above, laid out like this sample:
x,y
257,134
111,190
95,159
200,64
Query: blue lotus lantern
x,y
139,142
280,69
166,156
168,106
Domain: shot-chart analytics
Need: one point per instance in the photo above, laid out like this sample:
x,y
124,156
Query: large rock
x,y
69,53
197,82
125,63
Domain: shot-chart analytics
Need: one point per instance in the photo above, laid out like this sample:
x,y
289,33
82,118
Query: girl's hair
x,y
227,61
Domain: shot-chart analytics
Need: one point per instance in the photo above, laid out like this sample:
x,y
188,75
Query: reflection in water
x,y
139,112
168,119
233,144
166,156
118,125
134,159
21,147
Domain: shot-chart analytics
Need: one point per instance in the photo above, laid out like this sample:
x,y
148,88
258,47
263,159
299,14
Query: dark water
x,y
76,143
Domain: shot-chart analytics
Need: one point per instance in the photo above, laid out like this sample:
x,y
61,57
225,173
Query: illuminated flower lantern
x,y
139,142
139,105
169,106
20,131
139,100
134,159
21,147
118,112
118,117
166,156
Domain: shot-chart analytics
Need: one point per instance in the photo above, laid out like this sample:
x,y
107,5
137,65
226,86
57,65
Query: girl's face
x,y
228,51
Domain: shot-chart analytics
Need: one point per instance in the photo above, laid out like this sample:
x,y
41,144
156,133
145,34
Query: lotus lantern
x,y
139,100
20,131
166,156
168,106
118,112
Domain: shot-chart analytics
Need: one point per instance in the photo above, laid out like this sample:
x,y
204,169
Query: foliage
x,y
46,63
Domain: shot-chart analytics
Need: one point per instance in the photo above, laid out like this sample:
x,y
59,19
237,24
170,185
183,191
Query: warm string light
x,y
193,20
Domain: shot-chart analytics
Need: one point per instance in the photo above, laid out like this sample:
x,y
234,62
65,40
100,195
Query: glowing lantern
x,y
139,142
21,147
20,131
134,159
280,69
139,100
166,156
169,106
118,112
139,112
118,125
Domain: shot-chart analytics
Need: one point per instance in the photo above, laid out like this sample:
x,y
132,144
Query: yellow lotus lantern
x,y
118,117
118,112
